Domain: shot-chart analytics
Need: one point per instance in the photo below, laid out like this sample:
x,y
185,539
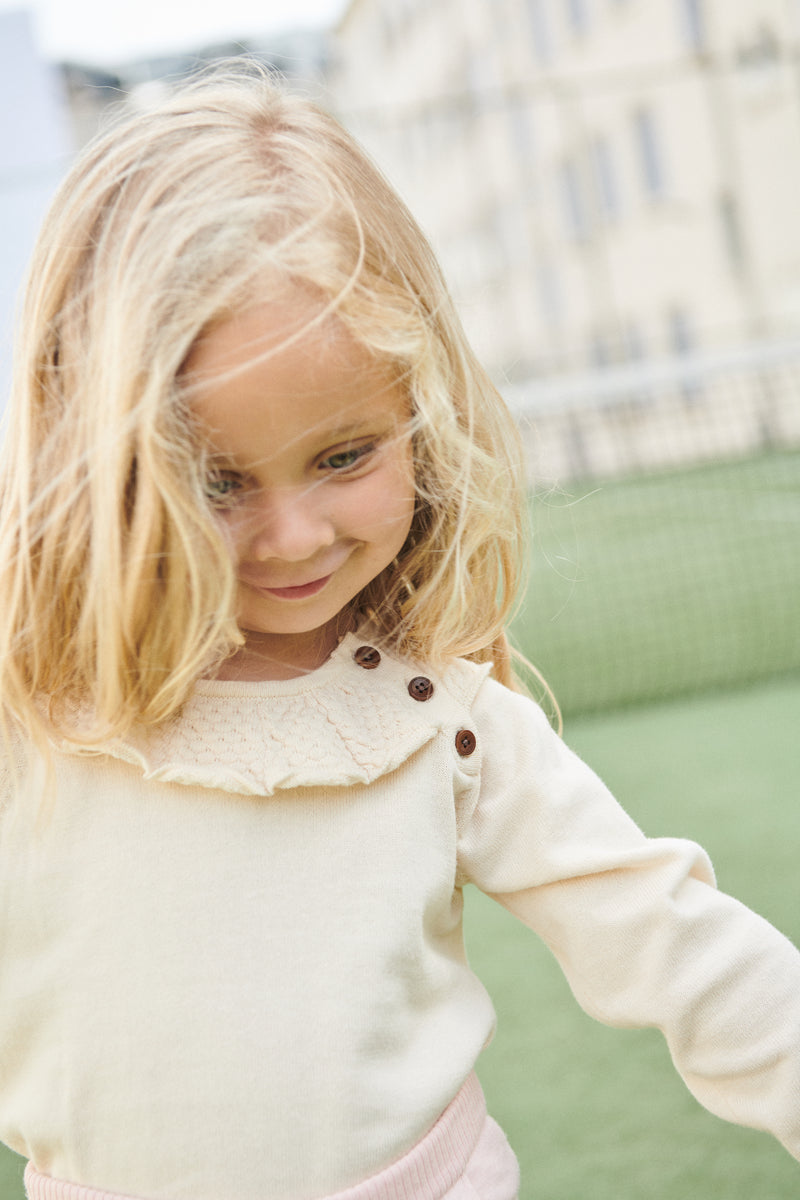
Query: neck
x,y
266,656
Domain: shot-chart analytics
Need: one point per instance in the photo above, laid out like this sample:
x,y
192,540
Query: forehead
x,y
292,332
280,366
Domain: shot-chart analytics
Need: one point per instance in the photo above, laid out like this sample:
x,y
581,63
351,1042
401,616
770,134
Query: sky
x,y
103,32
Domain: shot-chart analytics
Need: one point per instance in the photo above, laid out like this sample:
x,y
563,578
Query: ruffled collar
x,y
341,724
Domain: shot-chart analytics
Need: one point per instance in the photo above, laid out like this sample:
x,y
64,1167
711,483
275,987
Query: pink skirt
x,y
465,1156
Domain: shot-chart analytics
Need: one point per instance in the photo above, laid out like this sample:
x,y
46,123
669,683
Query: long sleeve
x,y
637,925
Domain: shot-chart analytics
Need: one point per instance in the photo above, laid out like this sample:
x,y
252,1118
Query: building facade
x,y
35,147
605,181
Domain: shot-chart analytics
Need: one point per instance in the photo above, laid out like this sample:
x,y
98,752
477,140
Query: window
x,y
760,54
600,354
605,178
648,147
682,343
634,349
578,15
694,26
634,343
680,332
540,28
573,201
481,80
520,115
549,293
510,235
387,30
731,230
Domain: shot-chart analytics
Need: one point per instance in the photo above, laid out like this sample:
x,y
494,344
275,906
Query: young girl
x,y
260,537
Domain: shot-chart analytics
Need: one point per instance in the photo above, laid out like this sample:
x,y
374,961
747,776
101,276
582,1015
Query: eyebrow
x,y
344,431
357,430
372,424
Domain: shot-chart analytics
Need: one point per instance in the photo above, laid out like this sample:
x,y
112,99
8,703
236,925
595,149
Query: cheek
x,y
386,507
231,526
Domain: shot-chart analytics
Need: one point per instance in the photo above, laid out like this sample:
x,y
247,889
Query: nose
x,y
291,524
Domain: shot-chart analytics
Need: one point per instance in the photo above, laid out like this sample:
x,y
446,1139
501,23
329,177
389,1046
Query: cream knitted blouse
x,y
231,957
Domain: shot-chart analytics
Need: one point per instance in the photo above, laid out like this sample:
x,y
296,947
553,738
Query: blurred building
x,y
299,57
604,180
35,145
49,110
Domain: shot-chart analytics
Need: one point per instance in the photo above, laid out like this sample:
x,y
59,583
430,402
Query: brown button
x,y
420,688
367,657
465,742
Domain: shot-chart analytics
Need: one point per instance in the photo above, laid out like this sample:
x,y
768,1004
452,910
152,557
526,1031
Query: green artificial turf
x,y
600,1113
11,1168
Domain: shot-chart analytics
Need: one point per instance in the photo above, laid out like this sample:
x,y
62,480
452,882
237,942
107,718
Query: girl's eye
x,y
345,460
222,490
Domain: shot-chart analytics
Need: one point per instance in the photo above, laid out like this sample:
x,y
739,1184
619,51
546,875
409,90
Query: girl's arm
x,y
637,925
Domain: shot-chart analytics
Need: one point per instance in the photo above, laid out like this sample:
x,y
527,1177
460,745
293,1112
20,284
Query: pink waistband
x,y
427,1172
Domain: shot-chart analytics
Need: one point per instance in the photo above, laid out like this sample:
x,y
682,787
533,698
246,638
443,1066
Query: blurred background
x,y
613,189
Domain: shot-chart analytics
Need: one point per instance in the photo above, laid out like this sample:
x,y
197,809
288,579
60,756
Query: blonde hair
x,y
118,591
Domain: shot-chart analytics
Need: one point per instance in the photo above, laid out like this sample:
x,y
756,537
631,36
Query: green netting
x,y
664,584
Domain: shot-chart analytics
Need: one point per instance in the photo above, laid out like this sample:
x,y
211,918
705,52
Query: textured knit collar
x,y
341,724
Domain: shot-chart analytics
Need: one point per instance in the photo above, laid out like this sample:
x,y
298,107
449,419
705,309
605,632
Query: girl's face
x,y
311,476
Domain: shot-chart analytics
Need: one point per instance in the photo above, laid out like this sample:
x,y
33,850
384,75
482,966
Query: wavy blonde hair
x,y
118,591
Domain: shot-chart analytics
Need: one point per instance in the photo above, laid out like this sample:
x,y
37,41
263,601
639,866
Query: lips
x,y
297,592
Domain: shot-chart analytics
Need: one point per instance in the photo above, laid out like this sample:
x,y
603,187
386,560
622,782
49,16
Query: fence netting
x,y
666,528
